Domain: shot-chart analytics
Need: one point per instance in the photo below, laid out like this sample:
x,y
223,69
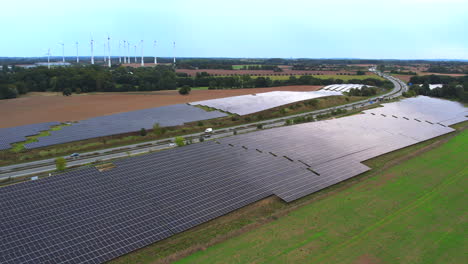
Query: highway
x,y
48,165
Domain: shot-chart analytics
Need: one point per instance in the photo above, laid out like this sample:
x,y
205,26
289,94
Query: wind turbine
x,y
48,58
135,53
174,54
128,52
105,58
125,52
92,50
63,51
155,59
77,57
108,49
142,59
120,57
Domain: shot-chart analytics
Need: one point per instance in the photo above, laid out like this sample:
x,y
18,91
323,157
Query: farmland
x,y
216,72
411,213
55,107
324,77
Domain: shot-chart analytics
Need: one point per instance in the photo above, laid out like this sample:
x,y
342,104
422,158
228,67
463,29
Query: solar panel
x,y
248,104
172,115
12,135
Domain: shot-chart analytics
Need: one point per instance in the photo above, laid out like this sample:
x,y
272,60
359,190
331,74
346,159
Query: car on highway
x,y
74,155
208,132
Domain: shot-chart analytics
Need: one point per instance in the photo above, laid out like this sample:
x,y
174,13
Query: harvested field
x,y
403,77
446,74
262,72
407,78
38,109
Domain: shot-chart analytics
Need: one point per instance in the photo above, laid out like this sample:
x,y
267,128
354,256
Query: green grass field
x,y
342,77
414,212
238,67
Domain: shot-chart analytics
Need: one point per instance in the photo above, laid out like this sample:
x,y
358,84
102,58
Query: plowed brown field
x,y
38,108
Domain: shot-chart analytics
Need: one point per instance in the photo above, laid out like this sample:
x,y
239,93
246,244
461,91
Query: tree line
x,y
80,79
246,81
95,78
453,87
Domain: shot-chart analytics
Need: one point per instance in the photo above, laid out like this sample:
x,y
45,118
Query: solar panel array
x,y
101,126
17,134
87,216
342,87
248,104
425,108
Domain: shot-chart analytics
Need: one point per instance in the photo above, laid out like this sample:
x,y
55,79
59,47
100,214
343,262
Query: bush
x,y
158,130
67,92
200,123
184,90
60,164
234,132
259,126
143,132
201,139
180,141
288,122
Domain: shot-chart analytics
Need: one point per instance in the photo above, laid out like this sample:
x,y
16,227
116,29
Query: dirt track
x,y
37,108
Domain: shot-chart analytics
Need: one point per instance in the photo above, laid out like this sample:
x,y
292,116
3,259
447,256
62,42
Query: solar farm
x,y
342,87
91,216
12,135
107,125
248,104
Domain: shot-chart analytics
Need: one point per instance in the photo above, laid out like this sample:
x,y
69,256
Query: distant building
x,y
433,86
45,64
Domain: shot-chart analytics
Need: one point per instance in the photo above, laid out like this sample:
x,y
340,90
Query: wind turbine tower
x,y
142,58
174,54
108,51
135,53
125,51
63,51
155,59
92,51
120,57
105,57
77,57
128,52
48,58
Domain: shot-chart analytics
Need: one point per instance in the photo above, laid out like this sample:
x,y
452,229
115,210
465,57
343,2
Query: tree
x,y
60,163
185,90
67,92
143,132
157,129
180,141
7,92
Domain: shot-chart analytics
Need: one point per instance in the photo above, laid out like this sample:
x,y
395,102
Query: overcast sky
x,y
392,29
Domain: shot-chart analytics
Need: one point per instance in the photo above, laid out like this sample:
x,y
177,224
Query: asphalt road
x,y
47,165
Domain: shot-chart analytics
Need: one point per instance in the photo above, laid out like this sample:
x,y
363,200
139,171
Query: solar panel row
x,y
12,135
171,115
252,103
426,109
342,87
